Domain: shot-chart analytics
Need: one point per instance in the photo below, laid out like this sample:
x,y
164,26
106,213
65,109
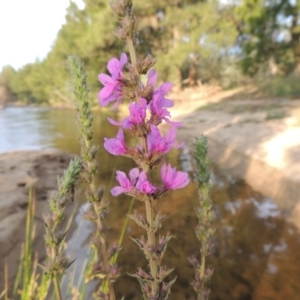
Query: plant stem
x,y
88,152
57,287
125,225
151,244
203,258
104,255
100,225
132,52
205,216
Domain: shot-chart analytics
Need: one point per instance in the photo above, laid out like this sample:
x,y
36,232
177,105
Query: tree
x,y
190,40
269,33
6,93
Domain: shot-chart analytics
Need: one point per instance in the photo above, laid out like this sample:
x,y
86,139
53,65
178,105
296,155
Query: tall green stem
x,y
100,225
57,287
88,152
132,52
152,244
205,216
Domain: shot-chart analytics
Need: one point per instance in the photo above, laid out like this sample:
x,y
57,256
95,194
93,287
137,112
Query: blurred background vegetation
x,y
225,42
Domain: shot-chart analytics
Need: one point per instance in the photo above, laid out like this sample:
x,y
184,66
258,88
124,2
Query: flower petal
x,y
117,190
106,91
104,79
181,180
165,88
134,174
113,122
123,59
123,180
152,77
114,67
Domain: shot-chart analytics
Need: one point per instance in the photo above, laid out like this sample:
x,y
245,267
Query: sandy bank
x,y
18,171
256,139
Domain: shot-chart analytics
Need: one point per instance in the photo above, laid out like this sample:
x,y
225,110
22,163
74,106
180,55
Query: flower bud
x,y
194,261
127,4
143,274
48,221
114,271
118,9
102,296
100,193
120,33
143,66
147,93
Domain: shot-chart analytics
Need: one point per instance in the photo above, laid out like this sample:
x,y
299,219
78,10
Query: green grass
x,y
275,114
212,106
288,86
30,282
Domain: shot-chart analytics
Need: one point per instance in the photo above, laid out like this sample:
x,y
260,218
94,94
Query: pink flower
x,y
112,89
143,185
173,179
116,146
126,185
159,104
137,115
157,144
152,78
163,89
158,109
132,186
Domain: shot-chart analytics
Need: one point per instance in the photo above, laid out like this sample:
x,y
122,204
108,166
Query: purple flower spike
x,y
112,89
116,146
173,179
126,185
143,185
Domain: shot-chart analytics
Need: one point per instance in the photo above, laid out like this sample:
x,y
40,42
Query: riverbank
x,y
19,171
242,135
254,139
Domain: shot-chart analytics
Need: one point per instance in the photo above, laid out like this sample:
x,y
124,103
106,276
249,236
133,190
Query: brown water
x,y
256,252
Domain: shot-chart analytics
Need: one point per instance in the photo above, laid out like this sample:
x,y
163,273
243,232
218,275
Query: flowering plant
x,y
148,108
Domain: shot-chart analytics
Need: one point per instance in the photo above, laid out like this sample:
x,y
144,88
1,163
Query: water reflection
x,y
256,250
23,128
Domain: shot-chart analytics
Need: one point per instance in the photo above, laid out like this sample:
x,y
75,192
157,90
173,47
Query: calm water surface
x,y
256,253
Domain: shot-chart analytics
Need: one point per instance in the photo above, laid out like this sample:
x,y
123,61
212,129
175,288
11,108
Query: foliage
x,y
278,86
269,33
207,41
6,77
192,40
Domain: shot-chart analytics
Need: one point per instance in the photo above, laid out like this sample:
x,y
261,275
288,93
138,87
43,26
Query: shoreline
x,y
19,170
244,142
265,153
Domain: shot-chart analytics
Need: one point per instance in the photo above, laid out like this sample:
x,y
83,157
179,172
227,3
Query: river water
x,y
256,251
